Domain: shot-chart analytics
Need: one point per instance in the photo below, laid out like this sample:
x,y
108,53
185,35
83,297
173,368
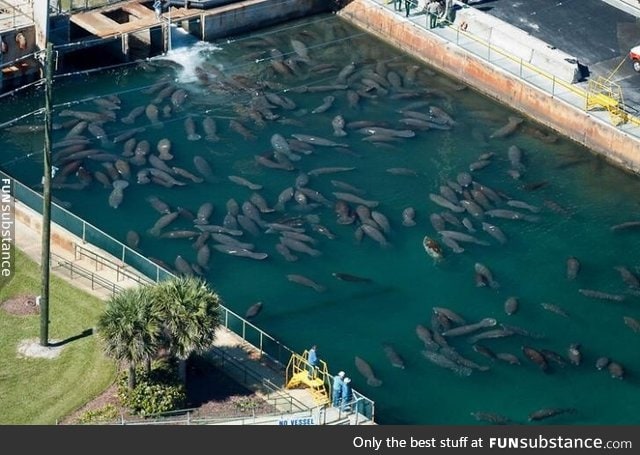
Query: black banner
x,y
362,439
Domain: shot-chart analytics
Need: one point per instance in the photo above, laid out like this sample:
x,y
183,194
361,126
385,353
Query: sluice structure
x,y
102,33
133,30
17,44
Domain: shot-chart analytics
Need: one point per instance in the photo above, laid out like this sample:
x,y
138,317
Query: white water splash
x,y
188,52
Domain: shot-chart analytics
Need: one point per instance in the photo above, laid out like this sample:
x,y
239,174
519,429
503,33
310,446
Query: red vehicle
x,y
634,55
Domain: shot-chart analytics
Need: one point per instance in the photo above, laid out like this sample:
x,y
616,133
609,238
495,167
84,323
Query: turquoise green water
x,y
353,319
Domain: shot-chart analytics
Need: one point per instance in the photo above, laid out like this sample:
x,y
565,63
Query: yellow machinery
x,y
605,94
318,382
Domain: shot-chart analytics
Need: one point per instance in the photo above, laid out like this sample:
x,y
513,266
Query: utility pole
x,y
46,197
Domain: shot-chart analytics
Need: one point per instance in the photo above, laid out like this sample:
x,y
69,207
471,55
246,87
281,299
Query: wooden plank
x,y
138,10
96,23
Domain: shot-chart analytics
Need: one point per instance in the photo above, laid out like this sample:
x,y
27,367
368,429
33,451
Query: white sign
x,y
297,421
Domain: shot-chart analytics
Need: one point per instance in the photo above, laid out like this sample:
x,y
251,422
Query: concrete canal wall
x,y
571,120
252,15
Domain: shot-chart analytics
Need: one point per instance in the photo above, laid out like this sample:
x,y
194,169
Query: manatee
x,y
573,267
303,280
602,362
244,182
365,370
179,234
133,239
632,323
495,232
536,357
449,314
616,370
507,129
628,277
285,252
554,309
159,205
253,310
190,129
491,417
203,256
117,194
408,217
204,168
507,357
352,278
523,205
469,328
338,124
443,202
601,295
511,305
164,149
182,266
444,362
549,412
574,354
394,358
163,222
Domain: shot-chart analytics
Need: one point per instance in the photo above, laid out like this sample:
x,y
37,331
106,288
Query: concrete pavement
x,y
599,33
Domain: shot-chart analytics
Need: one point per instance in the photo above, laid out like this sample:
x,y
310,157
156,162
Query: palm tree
x,y
190,312
130,328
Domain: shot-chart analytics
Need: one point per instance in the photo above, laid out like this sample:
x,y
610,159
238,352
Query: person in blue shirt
x,y
313,361
336,390
347,394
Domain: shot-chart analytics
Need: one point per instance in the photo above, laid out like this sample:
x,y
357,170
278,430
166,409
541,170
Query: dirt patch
x,y
32,348
21,305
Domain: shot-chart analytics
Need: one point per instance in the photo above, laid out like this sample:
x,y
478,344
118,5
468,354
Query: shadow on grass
x,y
85,333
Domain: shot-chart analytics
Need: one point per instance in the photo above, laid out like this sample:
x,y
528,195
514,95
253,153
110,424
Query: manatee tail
x,y
194,137
374,382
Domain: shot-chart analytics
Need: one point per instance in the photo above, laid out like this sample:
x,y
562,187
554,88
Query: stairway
x,y
298,374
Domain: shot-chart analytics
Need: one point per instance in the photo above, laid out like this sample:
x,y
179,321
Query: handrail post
x,y
521,67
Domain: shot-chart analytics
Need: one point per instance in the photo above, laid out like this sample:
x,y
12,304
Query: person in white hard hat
x,y
336,391
347,395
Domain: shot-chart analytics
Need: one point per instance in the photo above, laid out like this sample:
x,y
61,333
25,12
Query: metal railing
x,y
101,262
58,262
15,14
75,6
255,381
518,66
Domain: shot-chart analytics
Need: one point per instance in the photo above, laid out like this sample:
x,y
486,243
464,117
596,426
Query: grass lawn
x,y
42,391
